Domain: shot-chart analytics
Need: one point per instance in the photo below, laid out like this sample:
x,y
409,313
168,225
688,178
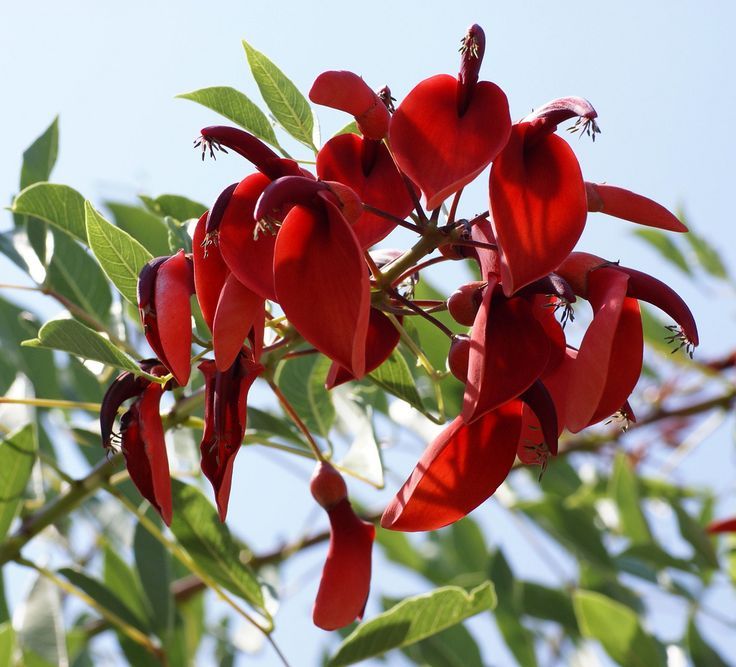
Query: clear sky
x,y
660,73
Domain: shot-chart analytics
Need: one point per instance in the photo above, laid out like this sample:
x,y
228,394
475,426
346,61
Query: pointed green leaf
x,y
59,205
695,534
350,128
178,207
454,647
708,257
551,604
412,620
40,157
394,376
666,248
153,563
208,541
39,626
288,105
624,490
143,226
237,107
120,255
75,338
701,652
120,579
7,643
618,630
17,455
302,380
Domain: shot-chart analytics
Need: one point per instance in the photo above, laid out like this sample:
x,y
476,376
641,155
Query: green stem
x,y
53,403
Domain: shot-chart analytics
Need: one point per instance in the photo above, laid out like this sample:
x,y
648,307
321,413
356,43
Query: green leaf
x,y
363,458
75,338
119,254
695,534
350,128
394,376
237,107
551,604
398,549
412,620
708,257
7,248
700,651
264,422
178,207
7,644
143,226
40,627
208,541
618,630
176,236
40,157
59,205
77,276
17,455
624,490
302,380
153,562
288,105
666,247
454,647
122,582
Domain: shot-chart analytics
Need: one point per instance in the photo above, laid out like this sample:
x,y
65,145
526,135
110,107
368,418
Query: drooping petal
x,y
557,381
546,118
345,584
348,92
124,386
722,526
237,311
249,255
630,206
381,340
539,400
322,283
459,470
609,361
367,167
509,350
538,206
144,448
210,271
439,150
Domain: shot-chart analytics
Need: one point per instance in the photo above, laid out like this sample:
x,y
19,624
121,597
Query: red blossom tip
x,y
327,485
722,526
214,216
546,119
472,49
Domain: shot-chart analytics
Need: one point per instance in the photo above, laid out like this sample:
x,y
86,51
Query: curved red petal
x,y
722,526
346,577
366,167
210,271
630,206
509,349
174,286
237,311
608,363
462,468
540,401
440,151
538,206
322,283
557,382
249,258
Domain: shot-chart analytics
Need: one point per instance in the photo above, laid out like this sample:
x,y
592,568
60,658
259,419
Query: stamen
x,y
211,238
539,455
210,145
679,336
568,313
266,225
585,126
624,419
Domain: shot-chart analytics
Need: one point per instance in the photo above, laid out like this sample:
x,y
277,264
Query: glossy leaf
x,y
394,376
120,255
412,620
17,455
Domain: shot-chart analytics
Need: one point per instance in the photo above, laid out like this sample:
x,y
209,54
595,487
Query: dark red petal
x,y
210,270
722,526
381,340
509,350
174,286
367,167
608,363
348,92
540,401
249,258
576,269
473,48
144,449
557,381
322,283
538,206
440,151
488,258
462,468
543,308
630,206
644,287
124,386
546,118
237,311
346,577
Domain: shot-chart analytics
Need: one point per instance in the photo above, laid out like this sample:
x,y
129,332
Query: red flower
x,y
722,526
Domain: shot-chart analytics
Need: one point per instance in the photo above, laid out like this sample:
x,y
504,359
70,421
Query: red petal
x,y
557,381
174,286
608,363
539,400
210,271
381,340
236,314
367,167
322,283
538,206
346,577
509,349
440,151
250,259
463,467
631,206
348,92
144,449
722,526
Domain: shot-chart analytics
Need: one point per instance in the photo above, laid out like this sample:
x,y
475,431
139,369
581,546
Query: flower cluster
x,y
287,238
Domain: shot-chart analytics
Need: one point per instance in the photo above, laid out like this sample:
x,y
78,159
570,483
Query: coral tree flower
x,y
343,589
722,526
141,435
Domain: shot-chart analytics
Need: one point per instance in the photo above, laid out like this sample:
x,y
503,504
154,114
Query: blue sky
x,y
659,73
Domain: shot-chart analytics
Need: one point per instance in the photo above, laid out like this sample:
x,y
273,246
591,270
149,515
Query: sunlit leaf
x,y
666,247
142,225
624,490
59,205
17,455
